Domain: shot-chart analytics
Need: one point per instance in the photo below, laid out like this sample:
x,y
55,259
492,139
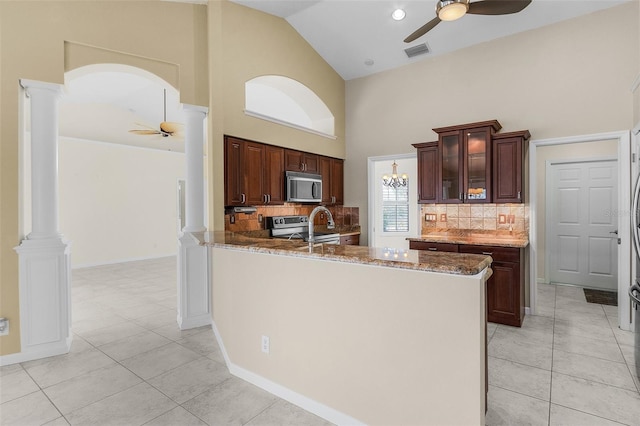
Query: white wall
x,y
117,202
561,80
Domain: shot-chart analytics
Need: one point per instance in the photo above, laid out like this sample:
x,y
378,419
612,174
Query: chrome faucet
x,y
330,223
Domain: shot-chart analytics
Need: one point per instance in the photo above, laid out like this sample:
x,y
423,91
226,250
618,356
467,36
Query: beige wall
x,y
605,148
561,80
206,51
35,36
362,339
245,44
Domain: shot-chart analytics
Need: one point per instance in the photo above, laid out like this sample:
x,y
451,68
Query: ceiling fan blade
x,y
422,30
170,127
497,7
144,132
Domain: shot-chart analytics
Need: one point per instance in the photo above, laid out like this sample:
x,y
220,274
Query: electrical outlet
x,y
443,217
512,218
430,217
265,344
502,218
232,218
259,218
4,326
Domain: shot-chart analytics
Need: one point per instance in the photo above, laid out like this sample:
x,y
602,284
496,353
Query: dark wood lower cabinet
x,y
505,288
350,240
423,245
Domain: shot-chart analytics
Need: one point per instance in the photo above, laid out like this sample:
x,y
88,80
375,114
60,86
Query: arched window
x,y
288,102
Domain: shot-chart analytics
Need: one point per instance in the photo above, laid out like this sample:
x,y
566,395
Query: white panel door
x,y
582,244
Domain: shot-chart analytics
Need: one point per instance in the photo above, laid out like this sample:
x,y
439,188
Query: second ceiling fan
x,y
450,10
166,128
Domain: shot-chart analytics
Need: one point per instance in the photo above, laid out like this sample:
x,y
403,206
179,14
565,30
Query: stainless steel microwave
x,y
303,187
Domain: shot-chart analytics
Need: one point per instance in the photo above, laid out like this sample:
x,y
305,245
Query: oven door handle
x,y
634,288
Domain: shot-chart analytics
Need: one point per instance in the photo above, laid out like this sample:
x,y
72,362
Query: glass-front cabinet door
x,y
451,190
477,172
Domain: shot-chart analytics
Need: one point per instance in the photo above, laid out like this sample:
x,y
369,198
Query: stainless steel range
x,y
297,227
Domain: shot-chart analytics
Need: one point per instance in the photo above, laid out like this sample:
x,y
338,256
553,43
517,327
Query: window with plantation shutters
x,y
395,208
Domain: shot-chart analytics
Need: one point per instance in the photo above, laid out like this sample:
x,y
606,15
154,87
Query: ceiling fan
x,y
450,10
165,129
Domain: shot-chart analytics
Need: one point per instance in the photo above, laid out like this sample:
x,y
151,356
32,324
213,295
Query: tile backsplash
x,y
475,216
251,222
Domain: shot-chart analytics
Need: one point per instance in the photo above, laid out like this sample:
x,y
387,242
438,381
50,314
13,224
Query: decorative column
x,y
44,264
193,259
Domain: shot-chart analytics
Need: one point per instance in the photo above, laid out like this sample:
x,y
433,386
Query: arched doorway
x,y
45,303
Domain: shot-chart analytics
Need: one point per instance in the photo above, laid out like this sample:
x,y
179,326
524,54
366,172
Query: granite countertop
x,y
476,237
450,263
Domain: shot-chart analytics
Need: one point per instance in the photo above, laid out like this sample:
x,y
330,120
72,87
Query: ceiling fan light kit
x,y
450,10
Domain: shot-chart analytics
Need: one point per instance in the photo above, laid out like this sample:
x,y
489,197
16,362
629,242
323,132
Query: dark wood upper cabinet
x,y
254,170
427,172
274,175
233,172
332,172
298,161
337,181
508,157
472,164
254,173
465,162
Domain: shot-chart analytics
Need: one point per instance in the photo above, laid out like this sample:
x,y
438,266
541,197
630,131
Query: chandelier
x,y
394,181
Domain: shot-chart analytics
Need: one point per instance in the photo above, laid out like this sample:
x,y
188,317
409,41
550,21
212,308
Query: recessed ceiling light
x,y
398,14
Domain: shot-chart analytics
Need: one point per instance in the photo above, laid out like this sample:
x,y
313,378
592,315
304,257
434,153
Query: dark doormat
x,y
601,297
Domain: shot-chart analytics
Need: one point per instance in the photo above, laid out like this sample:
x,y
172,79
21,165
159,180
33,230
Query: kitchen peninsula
x,y
357,335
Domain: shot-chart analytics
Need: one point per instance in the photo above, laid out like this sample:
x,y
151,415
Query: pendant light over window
x,y
394,181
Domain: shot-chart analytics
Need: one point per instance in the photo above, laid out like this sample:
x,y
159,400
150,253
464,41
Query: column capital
x,y
195,108
31,85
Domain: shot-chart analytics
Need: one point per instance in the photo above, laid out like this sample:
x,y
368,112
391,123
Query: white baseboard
x,y
306,403
42,351
116,261
194,322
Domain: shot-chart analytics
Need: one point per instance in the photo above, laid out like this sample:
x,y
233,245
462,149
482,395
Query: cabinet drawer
x,y
423,245
350,240
499,254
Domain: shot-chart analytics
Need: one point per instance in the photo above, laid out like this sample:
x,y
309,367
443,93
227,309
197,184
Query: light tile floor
x,y
130,365
569,365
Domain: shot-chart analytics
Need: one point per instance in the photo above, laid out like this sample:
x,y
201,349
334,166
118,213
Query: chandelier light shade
x,y
394,181
450,10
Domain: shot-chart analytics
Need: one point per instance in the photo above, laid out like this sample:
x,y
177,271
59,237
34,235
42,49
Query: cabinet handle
x,y
244,198
432,249
269,198
460,197
333,199
487,253
518,195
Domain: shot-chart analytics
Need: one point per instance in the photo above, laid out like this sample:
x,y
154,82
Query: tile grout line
x,y
553,343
